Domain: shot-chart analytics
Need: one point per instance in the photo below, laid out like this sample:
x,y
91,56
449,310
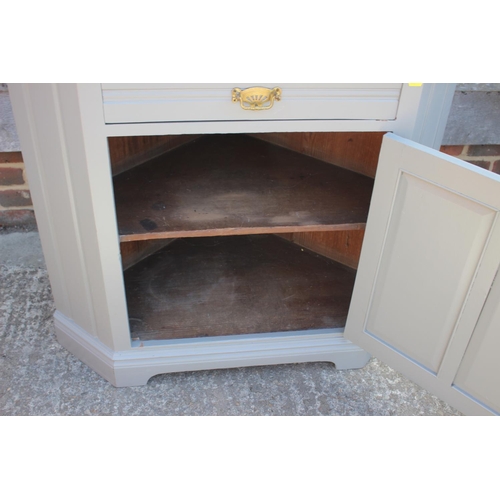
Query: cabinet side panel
x,y
52,166
40,193
423,112
433,114
92,191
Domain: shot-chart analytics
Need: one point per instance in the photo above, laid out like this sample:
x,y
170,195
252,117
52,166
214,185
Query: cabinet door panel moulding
x,y
429,257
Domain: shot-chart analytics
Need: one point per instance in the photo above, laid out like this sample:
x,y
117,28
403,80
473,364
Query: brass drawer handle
x,y
256,98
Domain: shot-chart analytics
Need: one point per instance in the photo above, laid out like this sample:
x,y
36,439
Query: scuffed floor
x,y
39,377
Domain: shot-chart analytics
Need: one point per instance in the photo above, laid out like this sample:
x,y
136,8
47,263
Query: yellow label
x,y
415,84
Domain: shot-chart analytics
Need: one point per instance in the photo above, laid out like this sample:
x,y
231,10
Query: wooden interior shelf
x,y
198,287
237,184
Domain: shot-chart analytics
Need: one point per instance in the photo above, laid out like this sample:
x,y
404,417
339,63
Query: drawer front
x,y
170,102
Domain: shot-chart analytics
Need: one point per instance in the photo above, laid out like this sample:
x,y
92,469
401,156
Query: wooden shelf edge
x,y
240,231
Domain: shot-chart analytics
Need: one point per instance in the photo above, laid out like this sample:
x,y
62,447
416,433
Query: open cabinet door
x,y
430,256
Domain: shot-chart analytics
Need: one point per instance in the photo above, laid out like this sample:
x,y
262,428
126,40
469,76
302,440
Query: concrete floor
x,y
474,117
39,377
8,133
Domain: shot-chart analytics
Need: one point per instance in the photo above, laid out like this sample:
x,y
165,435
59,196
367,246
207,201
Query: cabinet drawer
x,y
170,102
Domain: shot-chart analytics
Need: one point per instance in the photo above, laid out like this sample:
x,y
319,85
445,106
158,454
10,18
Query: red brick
x,y
496,167
15,198
481,163
11,176
11,157
18,218
484,150
452,150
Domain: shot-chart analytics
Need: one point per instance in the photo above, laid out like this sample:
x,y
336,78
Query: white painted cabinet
x,y
421,301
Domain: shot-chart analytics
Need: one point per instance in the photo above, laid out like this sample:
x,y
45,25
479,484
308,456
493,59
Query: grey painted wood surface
x,y
67,162
170,102
479,373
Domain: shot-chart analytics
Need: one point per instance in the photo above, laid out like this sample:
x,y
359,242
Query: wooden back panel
x,y
128,152
356,151
341,246
133,252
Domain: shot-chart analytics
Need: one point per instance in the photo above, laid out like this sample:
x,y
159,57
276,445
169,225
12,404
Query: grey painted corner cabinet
x,y
202,226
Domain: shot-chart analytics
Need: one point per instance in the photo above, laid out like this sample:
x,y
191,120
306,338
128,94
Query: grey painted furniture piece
x,y
422,299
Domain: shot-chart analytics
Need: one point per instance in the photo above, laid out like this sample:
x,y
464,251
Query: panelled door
x,y
429,260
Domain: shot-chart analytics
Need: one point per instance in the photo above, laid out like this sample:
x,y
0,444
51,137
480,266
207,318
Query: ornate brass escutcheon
x,y
256,98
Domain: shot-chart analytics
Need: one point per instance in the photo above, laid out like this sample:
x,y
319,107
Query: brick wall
x,y
16,208
484,156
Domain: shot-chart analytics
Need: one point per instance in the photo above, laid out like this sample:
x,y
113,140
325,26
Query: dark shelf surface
x,y
199,287
236,184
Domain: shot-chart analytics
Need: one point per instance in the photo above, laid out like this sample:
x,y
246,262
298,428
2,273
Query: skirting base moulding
x,y
137,365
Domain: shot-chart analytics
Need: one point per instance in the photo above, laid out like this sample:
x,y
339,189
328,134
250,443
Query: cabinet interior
x,y
247,233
